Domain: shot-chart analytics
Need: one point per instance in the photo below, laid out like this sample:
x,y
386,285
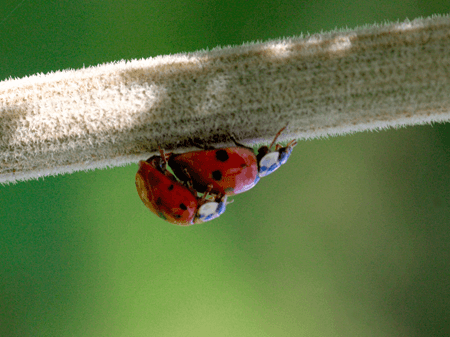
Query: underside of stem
x,y
326,84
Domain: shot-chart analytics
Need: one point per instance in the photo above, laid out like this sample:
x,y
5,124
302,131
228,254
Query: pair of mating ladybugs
x,y
204,179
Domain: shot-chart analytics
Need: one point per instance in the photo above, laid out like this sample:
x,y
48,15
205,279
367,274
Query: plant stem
x,y
334,83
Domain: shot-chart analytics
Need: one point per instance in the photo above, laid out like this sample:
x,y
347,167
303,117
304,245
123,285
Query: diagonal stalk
x,y
372,77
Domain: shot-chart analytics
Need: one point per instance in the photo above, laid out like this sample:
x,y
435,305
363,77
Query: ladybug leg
x,y
188,181
202,145
164,155
218,197
239,144
206,194
164,160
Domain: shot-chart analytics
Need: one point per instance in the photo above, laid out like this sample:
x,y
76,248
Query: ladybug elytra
x,y
172,201
230,170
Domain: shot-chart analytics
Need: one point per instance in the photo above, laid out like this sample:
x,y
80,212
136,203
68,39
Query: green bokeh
x,y
350,238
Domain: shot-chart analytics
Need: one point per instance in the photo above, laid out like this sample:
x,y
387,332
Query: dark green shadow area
x,y
46,258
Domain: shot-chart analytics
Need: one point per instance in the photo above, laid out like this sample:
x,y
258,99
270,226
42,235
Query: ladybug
x,y
230,170
172,201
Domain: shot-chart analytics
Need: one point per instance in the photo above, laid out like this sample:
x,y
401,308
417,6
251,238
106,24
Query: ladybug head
x,y
211,209
285,152
270,161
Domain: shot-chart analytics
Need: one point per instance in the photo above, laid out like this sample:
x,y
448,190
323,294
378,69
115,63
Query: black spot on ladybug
x,y
222,155
170,187
183,207
217,175
177,216
159,201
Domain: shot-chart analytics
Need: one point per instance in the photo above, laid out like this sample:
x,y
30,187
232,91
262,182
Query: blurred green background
x,y
350,238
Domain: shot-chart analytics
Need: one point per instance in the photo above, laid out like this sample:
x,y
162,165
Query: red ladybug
x,y
172,201
230,170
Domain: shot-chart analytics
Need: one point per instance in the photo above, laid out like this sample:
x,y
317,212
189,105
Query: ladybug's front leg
x,y
164,156
239,144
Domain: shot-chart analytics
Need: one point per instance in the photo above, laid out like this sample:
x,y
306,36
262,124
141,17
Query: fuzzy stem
x,y
372,77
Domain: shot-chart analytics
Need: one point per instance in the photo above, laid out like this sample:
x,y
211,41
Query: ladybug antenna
x,y
276,136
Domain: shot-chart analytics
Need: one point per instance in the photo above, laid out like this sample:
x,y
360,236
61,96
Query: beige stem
x,y
326,84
